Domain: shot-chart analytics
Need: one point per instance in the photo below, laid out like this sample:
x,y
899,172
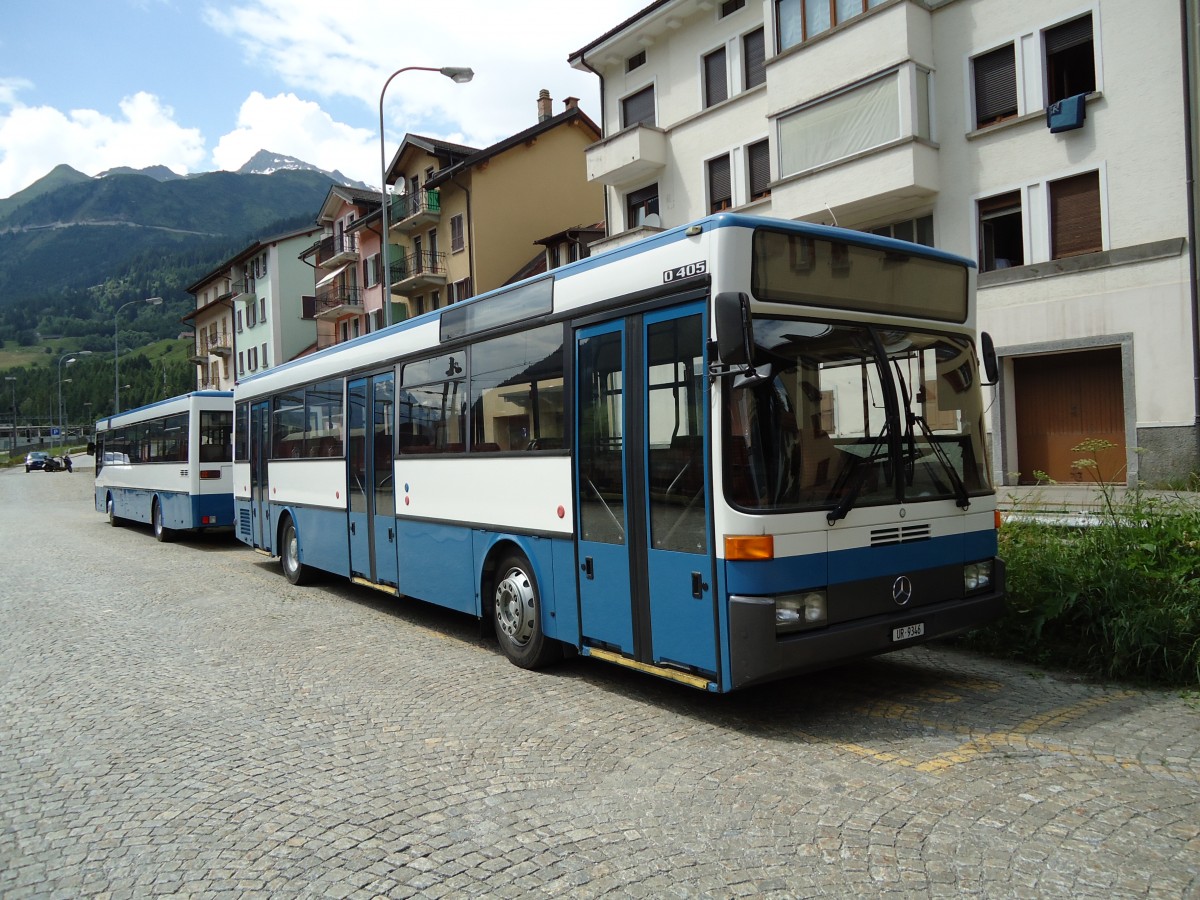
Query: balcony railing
x,y
334,301
243,289
410,211
206,345
417,270
336,249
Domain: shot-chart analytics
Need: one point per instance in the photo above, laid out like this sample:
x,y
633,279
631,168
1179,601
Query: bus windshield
x,y
849,415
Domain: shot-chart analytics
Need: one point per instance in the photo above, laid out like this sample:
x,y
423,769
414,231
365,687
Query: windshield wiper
x,y
961,498
858,472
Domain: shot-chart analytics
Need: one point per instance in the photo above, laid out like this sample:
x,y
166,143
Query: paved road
x,y
179,720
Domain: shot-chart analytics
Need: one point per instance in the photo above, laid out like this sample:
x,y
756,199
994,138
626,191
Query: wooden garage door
x,y
1062,400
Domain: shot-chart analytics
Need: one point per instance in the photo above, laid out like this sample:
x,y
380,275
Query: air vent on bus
x,y
244,522
899,534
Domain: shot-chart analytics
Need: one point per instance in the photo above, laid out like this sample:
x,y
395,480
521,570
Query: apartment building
x,y
464,221
347,299
248,314
1050,142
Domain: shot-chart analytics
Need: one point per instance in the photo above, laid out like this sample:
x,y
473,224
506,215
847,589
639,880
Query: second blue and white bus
x,y
728,453
168,464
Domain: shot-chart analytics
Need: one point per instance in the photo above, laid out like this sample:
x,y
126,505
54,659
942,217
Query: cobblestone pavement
x,y
178,719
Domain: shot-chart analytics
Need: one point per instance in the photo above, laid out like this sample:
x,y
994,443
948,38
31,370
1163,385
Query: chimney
x,y
570,103
545,105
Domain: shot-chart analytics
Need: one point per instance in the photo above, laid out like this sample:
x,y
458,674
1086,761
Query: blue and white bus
x,y
169,464
731,452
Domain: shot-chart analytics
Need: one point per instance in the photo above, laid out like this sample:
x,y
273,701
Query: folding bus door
x,y
370,489
644,515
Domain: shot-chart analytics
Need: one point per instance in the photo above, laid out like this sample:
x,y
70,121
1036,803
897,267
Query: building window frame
x,y
714,76
640,204
718,179
640,107
754,58
458,240
758,170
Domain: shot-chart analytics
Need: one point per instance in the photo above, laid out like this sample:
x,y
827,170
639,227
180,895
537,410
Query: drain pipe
x,y
1186,25
587,65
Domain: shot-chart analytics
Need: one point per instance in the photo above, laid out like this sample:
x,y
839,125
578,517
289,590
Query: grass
x,y
1119,599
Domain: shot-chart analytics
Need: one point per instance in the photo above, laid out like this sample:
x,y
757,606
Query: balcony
x,y
628,156
418,271
334,301
218,345
336,250
243,291
409,212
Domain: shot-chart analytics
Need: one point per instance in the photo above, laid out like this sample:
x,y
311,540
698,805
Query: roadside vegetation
x,y
1117,598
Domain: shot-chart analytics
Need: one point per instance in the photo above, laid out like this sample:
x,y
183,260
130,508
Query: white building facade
x,y
928,120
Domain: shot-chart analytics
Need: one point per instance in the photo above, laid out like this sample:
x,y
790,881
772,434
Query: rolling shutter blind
x,y
995,85
715,87
638,108
720,191
760,170
1069,34
1075,216
755,55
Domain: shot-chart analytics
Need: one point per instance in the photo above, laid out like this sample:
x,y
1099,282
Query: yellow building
x,y
465,221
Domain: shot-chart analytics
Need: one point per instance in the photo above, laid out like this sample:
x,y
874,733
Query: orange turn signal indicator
x,y
746,547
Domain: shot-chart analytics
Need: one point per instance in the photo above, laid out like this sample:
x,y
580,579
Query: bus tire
x,y
516,605
289,555
162,533
110,506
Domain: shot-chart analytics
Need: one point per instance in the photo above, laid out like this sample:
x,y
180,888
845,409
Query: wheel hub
x,y
515,606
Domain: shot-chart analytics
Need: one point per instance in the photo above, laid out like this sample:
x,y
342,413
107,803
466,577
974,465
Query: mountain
x,y
158,173
264,162
73,248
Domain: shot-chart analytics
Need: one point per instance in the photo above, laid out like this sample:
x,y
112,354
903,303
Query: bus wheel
x,y
111,508
161,532
289,556
517,606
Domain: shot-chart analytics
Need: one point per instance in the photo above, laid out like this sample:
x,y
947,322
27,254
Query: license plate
x,y
908,632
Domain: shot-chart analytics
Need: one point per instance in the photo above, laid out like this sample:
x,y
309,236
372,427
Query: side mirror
x,y
735,331
91,448
991,367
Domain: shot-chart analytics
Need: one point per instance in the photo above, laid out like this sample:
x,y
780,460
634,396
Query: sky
x,y
202,85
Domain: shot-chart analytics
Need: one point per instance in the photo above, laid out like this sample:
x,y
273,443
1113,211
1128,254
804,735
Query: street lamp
x,y
457,74
153,301
13,379
70,358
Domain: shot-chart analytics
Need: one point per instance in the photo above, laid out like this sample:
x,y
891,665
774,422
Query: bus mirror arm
x,y
735,340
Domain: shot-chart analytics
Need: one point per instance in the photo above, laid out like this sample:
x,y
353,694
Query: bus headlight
x,y
977,576
795,612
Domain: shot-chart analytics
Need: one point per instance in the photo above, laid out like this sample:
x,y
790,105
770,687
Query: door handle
x,y
352,528
391,536
698,585
587,568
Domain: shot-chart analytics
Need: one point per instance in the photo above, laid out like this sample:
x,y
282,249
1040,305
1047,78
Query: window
x,y
758,159
459,290
457,240
915,231
252,358
371,270
640,205
720,190
241,363
638,109
716,85
251,317
1075,216
263,358
433,248
239,321
517,391
731,6
431,410
995,86
262,309
638,59
840,126
1001,235
754,59
1070,59
435,299
802,20
323,419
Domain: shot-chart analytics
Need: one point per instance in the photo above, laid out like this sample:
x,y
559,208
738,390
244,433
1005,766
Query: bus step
x,y
696,681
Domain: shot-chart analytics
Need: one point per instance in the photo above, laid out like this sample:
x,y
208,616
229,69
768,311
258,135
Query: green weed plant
x,y
1116,599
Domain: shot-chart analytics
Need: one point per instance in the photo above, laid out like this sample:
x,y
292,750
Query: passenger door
x,y
370,485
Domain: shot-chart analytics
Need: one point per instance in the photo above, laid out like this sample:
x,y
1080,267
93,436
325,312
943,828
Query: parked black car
x,y
36,459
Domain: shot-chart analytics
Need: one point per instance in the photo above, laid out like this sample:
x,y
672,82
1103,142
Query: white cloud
x,y
286,124
347,49
34,139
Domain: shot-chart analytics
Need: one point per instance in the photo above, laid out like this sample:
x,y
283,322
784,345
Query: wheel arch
x,y
496,549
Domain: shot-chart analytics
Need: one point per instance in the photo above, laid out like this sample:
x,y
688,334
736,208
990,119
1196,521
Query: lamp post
x,y
13,379
457,74
70,358
153,301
